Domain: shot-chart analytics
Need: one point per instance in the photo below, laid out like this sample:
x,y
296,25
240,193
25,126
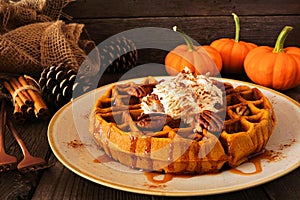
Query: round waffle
x,y
157,142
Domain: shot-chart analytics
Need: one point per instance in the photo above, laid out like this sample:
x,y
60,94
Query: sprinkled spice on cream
x,y
183,96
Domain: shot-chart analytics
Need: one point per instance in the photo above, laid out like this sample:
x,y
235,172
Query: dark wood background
x,y
203,20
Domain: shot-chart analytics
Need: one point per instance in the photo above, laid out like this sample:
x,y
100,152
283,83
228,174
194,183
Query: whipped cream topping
x,y
183,96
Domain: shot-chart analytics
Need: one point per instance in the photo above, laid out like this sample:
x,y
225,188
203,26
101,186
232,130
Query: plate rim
x,y
132,189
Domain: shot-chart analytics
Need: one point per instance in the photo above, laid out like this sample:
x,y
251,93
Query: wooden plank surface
x,y
60,183
204,21
34,134
171,8
262,30
285,185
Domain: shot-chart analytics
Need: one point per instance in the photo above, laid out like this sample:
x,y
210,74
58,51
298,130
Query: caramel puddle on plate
x,y
268,155
257,164
160,178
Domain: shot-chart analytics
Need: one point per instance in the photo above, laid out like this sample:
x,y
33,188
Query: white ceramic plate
x,y
71,143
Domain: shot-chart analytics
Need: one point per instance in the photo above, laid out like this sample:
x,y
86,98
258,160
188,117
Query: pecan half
x,y
140,90
210,121
242,110
153,121
228,88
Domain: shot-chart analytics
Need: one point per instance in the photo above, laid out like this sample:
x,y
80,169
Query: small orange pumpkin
x,y
233,51
214,55
277,67
199,59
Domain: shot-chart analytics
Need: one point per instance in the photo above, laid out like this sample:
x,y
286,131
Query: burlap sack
x,y
29,49
18,13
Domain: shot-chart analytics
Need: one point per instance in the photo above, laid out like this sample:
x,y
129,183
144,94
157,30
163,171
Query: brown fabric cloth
x,y
29,49
14,14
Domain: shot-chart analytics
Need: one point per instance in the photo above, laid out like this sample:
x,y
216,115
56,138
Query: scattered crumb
x,y
283,146
274,156
278,155
75,144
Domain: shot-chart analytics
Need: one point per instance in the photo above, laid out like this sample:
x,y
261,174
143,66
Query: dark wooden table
x,y
58,182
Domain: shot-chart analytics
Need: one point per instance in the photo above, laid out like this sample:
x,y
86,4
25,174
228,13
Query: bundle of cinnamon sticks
x,y
26,98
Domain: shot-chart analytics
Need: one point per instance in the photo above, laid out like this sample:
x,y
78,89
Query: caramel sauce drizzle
x,y
148,153
151,176
257,165
268,155
133,141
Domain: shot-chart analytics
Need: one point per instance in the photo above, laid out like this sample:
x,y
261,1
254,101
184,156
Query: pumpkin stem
x,y
281,38
187,40
237,27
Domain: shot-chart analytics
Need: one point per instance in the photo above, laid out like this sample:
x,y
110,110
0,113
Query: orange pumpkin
x,y
277,67
233,51
214,55
199,59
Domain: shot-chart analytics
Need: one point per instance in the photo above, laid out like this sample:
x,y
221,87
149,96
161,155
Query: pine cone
x,y
56,83
118,56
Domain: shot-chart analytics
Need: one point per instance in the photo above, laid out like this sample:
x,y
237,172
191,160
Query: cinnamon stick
x,y
40,107
18,100
22,94
18,114
30,113
27,99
